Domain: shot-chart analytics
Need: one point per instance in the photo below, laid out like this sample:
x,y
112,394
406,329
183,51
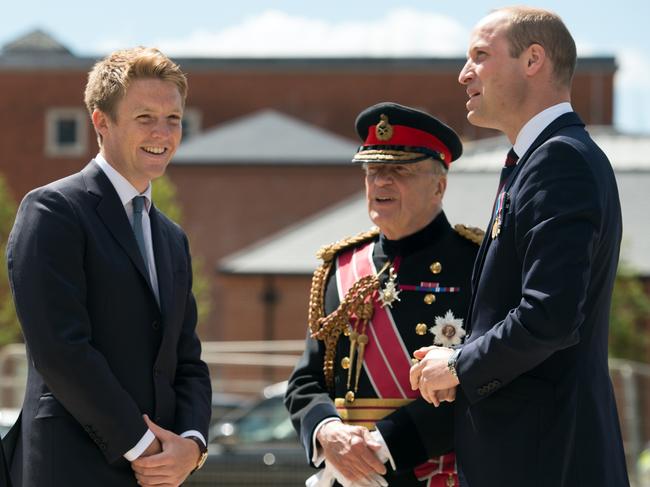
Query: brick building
x,y
230,202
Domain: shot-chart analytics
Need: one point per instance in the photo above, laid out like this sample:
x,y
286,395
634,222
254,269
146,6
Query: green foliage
x,y
629,332
9,326
164,197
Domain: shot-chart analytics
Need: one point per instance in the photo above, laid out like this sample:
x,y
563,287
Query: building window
x,y
66,132
191,122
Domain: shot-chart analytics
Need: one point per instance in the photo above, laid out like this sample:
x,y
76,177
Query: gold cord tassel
x,y
353,347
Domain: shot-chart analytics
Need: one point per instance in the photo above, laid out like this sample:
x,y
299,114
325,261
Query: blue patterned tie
x,y
138,206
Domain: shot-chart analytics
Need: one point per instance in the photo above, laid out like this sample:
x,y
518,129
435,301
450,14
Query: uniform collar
x,y
416,241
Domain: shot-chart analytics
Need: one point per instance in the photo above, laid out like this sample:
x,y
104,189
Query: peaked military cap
x,y
394,134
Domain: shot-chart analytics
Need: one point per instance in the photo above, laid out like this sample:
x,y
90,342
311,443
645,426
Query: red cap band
x,y
409,136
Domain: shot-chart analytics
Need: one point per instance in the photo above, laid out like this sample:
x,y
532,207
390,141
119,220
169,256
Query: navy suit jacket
x,y
5,481
101,351
535,405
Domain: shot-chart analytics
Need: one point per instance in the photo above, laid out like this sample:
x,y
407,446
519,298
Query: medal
x,y
389,293
501,204
496,227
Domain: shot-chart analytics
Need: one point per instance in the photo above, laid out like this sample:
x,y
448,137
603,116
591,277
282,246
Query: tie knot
x,y
511,158
138,204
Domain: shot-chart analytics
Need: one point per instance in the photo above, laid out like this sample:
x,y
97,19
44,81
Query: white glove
x,y
326,477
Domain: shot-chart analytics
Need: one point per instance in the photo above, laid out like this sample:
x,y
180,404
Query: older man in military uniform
x,y
376,299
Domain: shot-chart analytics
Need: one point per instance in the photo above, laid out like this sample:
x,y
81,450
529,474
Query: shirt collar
x,y
537,124
125,190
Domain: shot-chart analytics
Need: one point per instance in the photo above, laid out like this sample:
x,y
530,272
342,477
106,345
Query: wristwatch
x,y
203,452
451,363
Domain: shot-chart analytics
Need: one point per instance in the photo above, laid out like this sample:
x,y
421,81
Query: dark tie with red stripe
x,y
506,170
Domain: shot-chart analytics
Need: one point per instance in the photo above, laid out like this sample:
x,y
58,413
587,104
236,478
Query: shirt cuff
x,y
135,452
317,456
194,433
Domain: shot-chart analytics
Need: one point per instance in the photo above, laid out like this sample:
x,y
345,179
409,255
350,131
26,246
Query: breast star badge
x,y
448,330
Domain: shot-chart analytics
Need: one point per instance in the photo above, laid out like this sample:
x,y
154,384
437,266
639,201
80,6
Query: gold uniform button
x,y
429,298
436,267
345,362
349,396
421,328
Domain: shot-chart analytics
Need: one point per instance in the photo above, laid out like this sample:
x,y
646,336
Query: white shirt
x,y
126,193
536,125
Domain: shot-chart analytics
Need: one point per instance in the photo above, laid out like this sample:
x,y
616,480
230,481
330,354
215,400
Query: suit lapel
x,y
163,259
564,120
561,122
111,212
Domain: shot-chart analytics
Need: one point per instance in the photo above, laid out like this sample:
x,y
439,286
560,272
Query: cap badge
x,y
384,130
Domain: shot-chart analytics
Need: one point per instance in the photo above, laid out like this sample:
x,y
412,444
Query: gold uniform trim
x,y
387,155
473,234
329,330
366,412
373,402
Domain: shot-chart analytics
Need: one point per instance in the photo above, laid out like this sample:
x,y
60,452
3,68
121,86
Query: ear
x,y
100,121
534,58
441,187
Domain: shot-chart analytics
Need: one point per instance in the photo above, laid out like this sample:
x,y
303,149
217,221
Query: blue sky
x,y
335,27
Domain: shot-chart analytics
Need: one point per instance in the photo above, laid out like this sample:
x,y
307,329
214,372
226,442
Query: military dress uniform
x,y
374,301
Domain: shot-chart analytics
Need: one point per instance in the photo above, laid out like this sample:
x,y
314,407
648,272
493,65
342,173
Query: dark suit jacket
x,y
101,351
5,481
537,407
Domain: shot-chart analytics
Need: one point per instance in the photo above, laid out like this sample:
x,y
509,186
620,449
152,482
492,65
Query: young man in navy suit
x,y
117,394
534,401
4,473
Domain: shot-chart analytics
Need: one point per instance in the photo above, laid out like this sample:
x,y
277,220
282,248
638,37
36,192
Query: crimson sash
x,y
387,362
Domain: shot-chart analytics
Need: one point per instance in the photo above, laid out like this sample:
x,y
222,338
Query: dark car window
x,y
266,421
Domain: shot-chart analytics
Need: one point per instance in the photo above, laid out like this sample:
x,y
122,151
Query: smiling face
x,y
495,81
404,198
145,132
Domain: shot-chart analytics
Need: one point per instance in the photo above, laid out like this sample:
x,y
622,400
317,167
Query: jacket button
x,y
155,325
156,372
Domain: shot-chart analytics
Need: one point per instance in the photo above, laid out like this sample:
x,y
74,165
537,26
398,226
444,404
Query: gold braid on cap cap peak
x,y
388,155
473,234
329,328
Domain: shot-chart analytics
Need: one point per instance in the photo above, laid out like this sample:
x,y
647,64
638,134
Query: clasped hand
x,y
352,452
168,461
432,376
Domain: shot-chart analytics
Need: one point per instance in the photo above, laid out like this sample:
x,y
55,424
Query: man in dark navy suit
x,y
535,406
117,394
5,481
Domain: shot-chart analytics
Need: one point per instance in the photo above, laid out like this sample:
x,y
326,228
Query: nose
x,y
382,178
161,129
466,74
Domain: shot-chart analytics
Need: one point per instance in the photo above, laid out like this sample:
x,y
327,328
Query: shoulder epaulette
x,y
327,252
473,234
